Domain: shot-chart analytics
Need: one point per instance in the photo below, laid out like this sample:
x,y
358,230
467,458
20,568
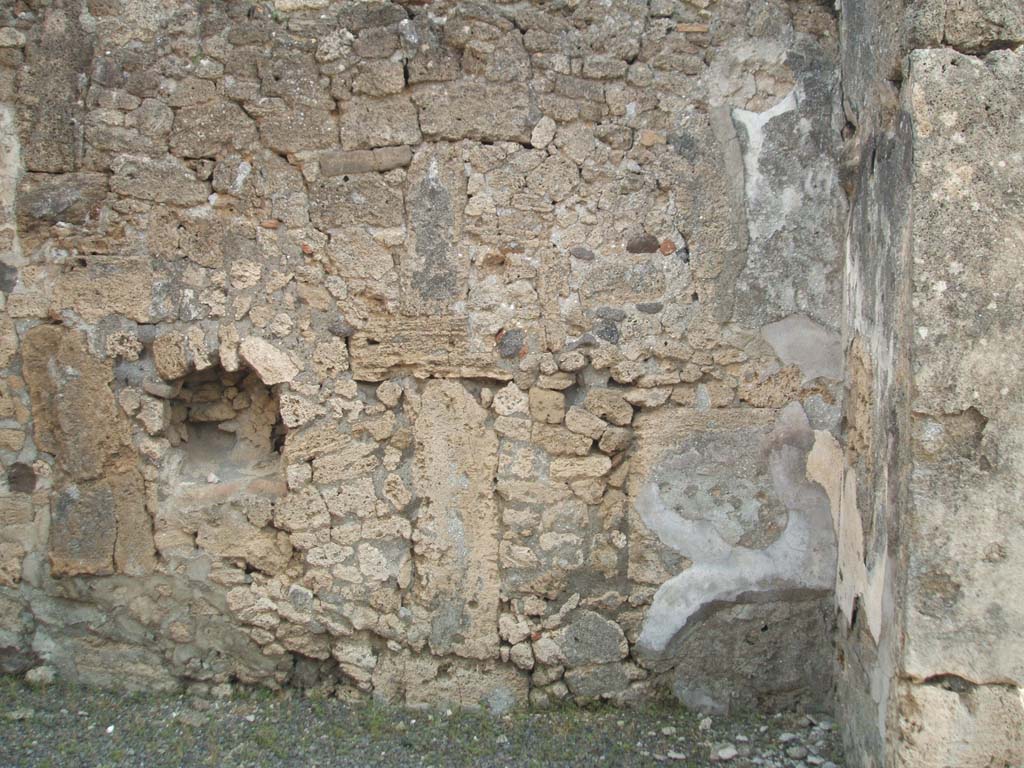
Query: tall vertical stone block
x,y
456,530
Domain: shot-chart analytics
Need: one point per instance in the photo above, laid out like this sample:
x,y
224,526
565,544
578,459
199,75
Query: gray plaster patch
x,y
800,341
795,208
801,559
431,207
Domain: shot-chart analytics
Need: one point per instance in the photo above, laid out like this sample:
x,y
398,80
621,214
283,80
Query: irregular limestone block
x,y
83,531
475,110
11,38
609,404
417,681
228,533
559,441
271,364
17,534
134,551
171,356
543,132
380,78
591,639
11,556
547,405
364,160
615,439
456,533
295,130
108,285
600,680
580,468
342,201
207,130
510,400
369,123
976,26
54,64
91,660
962,533
157,179
99,523
299,5
47,198
584,422
964,725
622,281
440,347
76,416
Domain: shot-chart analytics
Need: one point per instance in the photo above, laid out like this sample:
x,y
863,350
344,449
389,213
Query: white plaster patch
x,y
826,466
10,172
802,558
755,184
800,341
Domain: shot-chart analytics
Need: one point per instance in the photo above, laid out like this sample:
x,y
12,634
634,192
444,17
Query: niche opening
x,y
226,432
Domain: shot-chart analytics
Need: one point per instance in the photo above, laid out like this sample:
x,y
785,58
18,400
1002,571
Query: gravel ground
x,y
66,727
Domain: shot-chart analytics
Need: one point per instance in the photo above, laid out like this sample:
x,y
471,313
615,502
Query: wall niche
x,y
226,435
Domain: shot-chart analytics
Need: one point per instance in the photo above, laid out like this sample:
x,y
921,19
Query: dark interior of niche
x,y
228,424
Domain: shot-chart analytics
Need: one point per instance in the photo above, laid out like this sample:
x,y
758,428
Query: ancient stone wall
x,y
448,352
484,353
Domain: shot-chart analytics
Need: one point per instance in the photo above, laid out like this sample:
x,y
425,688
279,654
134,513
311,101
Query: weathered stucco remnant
x,y
501,353
706,526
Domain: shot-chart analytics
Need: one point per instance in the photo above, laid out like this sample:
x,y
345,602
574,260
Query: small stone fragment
x,y
547,405
543,133
271,364
510,400
726,753
582,253
610,405
643,244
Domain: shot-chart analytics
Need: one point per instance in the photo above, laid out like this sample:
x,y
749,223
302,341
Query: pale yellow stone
x,y
547,405
580,468
271,364
584,422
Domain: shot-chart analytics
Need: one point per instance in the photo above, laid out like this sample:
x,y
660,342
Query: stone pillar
x,y
931,548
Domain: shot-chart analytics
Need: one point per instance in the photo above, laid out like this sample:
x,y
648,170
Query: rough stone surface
x,y
483,354
456,533
967,394
925,521
353,315
271,364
